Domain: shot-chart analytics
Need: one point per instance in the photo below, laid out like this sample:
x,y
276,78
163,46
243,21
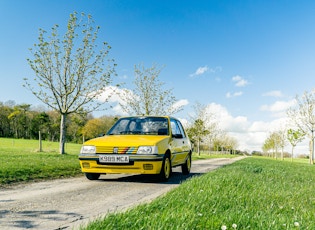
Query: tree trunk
x,y
312,160
292,154
40,142
62,133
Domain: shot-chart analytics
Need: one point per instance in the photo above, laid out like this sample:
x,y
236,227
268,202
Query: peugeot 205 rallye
x,y
138,145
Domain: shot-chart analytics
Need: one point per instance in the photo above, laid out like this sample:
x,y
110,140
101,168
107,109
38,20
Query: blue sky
x,y
245,59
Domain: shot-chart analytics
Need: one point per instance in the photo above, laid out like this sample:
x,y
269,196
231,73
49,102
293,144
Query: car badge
x,y
115,150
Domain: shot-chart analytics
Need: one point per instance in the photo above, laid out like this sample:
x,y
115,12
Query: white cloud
x,y
180,103
226,120
249,134
216,69
278,106
274,93
200,71
111,96
236,94
204,69
239,81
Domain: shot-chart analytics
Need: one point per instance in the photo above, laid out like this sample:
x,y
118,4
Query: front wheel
x,y
92,176
166,169
187,165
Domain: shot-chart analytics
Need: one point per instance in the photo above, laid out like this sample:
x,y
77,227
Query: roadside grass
x,y
253,193
206,155
21,160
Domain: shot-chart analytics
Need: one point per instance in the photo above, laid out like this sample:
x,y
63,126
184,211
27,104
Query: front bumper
x,y
138,164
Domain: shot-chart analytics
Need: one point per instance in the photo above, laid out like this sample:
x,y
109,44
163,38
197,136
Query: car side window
x,y
177,128
181,129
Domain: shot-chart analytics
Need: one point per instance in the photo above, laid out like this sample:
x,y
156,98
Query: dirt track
x,y
69,203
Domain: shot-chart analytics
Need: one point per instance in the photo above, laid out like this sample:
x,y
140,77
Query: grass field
x,y
254,193
21,161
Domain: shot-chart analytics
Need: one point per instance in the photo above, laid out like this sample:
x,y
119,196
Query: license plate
x,y
113,159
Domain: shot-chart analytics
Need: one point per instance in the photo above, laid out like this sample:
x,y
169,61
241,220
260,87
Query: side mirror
x,y
177,136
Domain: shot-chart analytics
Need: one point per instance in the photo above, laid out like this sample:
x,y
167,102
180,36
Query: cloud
x,y
180,103
111,96
200,71
204,69
249,134
278,108
274,93
226,120
236,94
239,81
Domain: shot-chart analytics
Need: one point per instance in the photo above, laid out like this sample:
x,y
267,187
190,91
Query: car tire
x,y
187,165
92,176
166,169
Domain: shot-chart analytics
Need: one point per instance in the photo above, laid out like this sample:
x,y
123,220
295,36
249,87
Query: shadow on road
x,y
176,178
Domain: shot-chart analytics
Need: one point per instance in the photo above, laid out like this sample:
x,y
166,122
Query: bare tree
x,y
70,72
303,116
148,96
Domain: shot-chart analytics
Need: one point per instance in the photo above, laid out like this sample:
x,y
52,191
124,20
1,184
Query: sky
x,y
245,60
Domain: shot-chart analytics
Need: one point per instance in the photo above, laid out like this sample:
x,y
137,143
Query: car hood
x,y
126,140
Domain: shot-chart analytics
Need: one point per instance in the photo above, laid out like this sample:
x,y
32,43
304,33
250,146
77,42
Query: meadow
x,y
20,161
254,193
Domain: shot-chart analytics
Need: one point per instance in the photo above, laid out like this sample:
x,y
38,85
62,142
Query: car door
x,y
180,143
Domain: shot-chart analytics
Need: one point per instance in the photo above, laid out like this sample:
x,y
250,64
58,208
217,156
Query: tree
x,y
197,132
21,120
70,73
97,126
303,116
204,125
149,96
274,142
224,142
267,146
294,137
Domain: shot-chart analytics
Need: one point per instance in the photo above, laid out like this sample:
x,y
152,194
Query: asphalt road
x,y
71,203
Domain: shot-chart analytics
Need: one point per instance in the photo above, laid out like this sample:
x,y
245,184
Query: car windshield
x,y
140,126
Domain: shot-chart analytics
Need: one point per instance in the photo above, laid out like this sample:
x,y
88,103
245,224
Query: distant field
x,y
21,161
254,193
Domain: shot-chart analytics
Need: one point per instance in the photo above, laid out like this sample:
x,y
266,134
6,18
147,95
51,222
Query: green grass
x,y
21,161
204,155
254,193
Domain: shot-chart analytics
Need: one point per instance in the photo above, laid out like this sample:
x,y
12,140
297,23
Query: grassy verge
x,y
21,161
203,156
254,193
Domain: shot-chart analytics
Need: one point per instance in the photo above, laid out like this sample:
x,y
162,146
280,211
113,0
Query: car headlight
x,y
147,150
88,149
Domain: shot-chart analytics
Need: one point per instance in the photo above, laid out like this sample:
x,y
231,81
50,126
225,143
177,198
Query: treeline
x,y
25,121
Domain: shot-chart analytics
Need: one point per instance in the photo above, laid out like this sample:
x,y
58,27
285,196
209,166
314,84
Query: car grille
x,y
121,149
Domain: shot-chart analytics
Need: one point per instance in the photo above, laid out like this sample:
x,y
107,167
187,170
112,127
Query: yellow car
x,y
138,145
